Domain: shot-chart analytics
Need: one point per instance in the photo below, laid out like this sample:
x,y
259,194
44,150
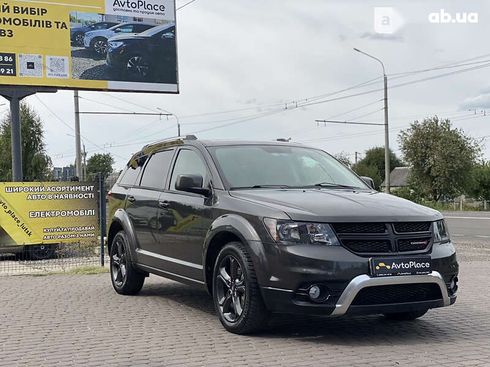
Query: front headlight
x,y
115,44
441,234
291,233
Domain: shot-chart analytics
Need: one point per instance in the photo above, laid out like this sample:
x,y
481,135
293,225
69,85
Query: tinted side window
x,y
129,176
188,163
156,170
142,27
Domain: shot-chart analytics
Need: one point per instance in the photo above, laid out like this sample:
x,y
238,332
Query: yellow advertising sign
x,y
48,213
126,45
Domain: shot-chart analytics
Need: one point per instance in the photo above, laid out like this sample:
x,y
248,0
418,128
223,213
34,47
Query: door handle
x,y
163,203
131,199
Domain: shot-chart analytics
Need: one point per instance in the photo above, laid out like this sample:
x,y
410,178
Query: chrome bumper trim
x,y
363,281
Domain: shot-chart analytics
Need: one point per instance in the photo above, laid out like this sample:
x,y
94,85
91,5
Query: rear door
x,y
181,243
142,204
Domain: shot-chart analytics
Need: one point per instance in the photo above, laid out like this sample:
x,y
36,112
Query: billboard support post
x,y
102,215
78,144
14,95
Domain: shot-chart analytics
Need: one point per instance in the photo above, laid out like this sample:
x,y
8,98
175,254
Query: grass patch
x,y
86,270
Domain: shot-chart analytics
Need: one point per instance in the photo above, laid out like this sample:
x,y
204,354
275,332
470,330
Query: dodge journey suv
x,y
275,228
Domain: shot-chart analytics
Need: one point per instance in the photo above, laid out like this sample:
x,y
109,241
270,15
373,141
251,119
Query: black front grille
x,y
359,227
384,238
413,244
367,246
406,227
400,293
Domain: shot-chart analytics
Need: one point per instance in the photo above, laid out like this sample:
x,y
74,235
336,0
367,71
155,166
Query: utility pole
x,y
84,175
356,157
78,144
387,133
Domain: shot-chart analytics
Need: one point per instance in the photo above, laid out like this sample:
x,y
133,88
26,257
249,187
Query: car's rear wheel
x,y
79,39
236,293
125,278
406,316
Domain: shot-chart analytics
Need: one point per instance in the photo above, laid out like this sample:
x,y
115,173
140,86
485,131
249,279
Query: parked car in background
x,y
96,40
270,227
77,34
148,56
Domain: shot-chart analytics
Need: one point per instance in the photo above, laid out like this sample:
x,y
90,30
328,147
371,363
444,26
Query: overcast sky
x,y
255,57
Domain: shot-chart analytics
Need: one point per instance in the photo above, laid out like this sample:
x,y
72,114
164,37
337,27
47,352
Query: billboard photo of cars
x,y
91,44
123,49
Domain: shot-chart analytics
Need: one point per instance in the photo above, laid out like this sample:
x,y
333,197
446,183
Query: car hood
x,y
331,205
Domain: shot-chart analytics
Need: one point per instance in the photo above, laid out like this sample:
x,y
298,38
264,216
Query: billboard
x,y
120,45
47,213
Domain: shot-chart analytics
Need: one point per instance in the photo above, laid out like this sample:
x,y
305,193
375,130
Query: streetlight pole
x,y
387,133
78,144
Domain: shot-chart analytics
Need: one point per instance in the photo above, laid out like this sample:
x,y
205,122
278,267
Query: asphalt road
x,y
469,226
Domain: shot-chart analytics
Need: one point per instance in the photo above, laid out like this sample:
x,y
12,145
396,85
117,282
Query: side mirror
x,y
369,181
191,183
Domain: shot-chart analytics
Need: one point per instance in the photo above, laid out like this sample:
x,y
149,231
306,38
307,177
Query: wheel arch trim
x,y
121,218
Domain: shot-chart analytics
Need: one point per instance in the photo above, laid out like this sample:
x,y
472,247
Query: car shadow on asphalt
x,y
345,330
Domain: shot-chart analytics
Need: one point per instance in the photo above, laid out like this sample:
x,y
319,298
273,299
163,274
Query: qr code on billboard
x,y
31,65
57,67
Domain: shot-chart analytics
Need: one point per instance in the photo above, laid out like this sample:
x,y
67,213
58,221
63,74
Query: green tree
x,y
36,164
100,163
373,164
480,185
441,157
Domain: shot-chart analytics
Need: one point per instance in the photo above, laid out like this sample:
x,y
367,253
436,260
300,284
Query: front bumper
x,y
287,273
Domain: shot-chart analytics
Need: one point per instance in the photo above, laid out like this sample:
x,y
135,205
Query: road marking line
x,y
482,236
480,218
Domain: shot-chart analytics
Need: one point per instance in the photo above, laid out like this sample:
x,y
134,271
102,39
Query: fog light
x,y
453,286
314,292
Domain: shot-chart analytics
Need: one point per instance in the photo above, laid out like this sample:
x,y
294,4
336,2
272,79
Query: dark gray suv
x,y
275,228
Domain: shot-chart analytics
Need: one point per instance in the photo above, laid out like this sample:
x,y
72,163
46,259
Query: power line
x,y
183,6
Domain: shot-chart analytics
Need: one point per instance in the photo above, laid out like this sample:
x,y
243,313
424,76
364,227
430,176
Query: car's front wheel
x,y
405,316
138,68
236,293
125,278
99,45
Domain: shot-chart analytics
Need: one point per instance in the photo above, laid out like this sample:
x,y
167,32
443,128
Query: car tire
x,y
78,39
236,293
99,46
138,68
405,316
126,279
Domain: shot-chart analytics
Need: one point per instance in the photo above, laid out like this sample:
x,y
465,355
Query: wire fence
x,y
48,259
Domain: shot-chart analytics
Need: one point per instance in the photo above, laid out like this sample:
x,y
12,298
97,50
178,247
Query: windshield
x,y
255,166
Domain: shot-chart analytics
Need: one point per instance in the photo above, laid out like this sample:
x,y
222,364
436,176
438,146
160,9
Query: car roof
x,y
192,140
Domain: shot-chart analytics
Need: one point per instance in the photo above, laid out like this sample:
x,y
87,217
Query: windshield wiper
x,y
334,185
261,187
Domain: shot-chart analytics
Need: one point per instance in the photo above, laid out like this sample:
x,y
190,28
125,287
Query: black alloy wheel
x,y
236,292
138,67
230,288
125,278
